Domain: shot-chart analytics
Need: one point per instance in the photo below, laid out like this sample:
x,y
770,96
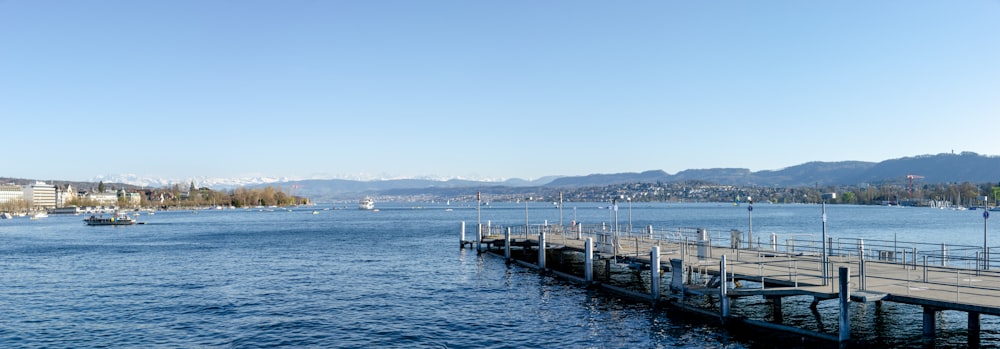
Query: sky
x,y
488,89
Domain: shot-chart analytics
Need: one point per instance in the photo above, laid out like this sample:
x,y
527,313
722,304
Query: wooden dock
x,y
933,282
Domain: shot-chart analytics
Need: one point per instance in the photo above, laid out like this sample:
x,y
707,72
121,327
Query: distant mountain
x,y
940,168
340,189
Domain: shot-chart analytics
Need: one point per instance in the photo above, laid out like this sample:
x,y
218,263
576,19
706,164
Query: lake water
x,y
391,279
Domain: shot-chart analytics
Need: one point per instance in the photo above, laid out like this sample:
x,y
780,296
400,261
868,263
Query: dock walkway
x,y
876,273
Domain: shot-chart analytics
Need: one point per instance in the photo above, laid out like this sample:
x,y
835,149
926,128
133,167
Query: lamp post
x,y
560,211
750,218
986,218
629,215
526,227
827,196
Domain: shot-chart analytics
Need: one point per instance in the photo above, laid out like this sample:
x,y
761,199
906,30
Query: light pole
x,y
526,227
986,218
750,218
629,215
479,214
823,242
560,211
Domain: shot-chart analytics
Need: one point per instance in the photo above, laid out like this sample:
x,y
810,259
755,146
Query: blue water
x,y
389,279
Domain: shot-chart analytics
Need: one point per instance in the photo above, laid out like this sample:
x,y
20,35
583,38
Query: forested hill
x,y
941,168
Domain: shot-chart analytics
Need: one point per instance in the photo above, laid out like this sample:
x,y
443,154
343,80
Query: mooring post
x,y
944,255
588,264
479,237
506,244
861,264
654,273
677,276
650,231
461,237
541,249
579,231
845,299
724,299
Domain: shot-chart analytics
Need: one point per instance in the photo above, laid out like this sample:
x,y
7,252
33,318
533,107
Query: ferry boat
x,y
367,203
118,219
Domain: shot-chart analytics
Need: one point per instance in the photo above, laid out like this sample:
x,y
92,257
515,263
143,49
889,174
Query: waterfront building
x,y
40,195
107,198
64,195
11,192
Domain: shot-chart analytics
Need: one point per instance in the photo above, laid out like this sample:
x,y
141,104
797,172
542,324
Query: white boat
x,y
367,203
39,214
5,215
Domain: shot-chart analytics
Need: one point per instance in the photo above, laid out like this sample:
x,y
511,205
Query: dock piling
x,y
929,324
724,299
506,244
461,237
588,264
845,299
677,276
974,329
654,274
541,249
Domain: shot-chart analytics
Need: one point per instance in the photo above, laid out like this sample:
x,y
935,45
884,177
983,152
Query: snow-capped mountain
x,y
214,183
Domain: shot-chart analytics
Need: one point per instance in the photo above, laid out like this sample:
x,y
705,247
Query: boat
x,y
6,215
39,214
116,219
367,203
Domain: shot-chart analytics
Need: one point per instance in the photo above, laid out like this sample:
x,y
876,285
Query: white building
x,y
107,198
63,196
11,192
40,195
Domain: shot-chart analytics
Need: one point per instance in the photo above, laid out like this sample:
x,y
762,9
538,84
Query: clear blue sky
x,y
496,89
